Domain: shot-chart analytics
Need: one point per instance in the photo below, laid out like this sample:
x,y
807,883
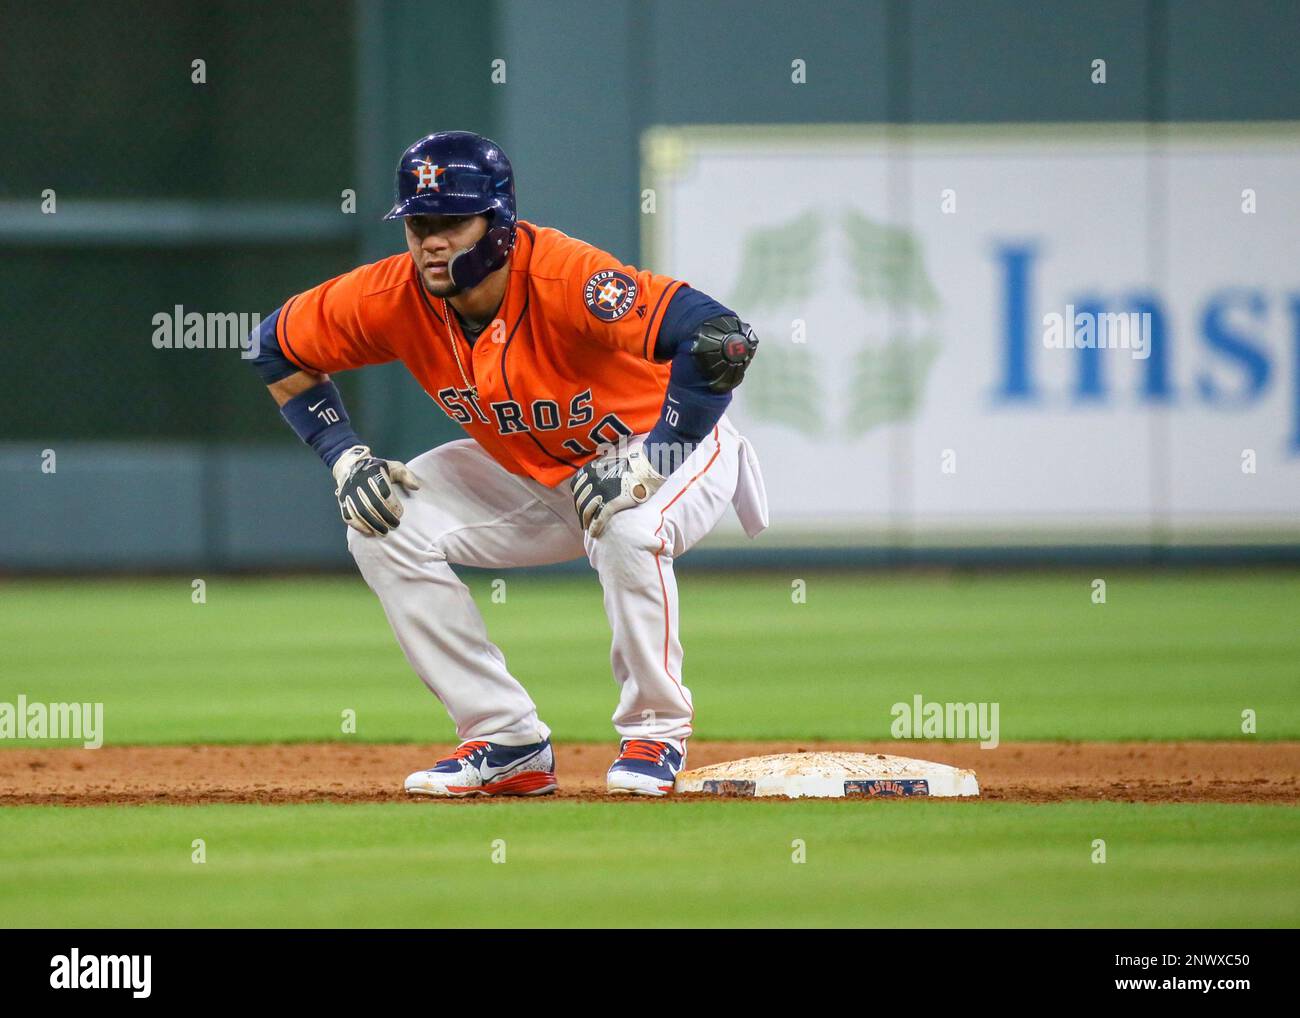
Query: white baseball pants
x,y
471,511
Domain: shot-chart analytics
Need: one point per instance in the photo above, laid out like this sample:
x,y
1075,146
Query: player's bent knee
x,y
395,553
626,545
366,551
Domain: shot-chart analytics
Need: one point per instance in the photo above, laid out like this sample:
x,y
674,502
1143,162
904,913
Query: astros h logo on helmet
x,y
427,174
610,294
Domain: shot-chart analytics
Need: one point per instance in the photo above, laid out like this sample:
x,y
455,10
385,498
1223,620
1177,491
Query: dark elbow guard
x,y
722,350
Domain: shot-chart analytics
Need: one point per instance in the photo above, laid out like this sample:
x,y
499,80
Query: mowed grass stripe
x,y
648,864
1169,656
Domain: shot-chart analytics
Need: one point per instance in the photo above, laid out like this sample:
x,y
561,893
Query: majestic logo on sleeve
x,y
610,294
427,174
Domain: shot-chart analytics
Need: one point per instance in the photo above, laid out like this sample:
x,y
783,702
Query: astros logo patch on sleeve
x,y
610,294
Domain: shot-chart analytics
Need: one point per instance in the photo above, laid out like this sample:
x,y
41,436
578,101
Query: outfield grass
x,y
1166,657
652,864
1169,656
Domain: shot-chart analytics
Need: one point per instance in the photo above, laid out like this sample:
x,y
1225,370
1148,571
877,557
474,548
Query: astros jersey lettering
x,y
567,365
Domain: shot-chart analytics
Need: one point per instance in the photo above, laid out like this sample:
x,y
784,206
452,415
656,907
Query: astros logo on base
x,y
610,294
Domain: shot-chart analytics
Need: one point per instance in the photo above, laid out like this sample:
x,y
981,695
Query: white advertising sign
x,y
1004,334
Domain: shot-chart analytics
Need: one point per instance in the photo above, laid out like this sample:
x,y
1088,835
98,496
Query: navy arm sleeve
x,y
691,408
317,416
270,362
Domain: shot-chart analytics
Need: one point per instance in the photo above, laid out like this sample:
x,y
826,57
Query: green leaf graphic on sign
x,y
887,265
777,264
782,268
780,387
886,382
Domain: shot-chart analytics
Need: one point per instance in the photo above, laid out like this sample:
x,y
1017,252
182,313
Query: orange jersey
x,y
568,363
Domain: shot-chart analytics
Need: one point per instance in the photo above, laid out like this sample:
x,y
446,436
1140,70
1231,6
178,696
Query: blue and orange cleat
x,y
645,767
488,768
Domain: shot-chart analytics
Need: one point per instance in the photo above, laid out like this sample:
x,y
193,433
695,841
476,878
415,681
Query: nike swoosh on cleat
x,y
491,773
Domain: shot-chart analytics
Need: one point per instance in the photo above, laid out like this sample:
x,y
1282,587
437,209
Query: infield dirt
x,y
1259,772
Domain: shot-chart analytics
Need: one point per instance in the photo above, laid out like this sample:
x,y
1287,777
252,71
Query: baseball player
x,y
594,397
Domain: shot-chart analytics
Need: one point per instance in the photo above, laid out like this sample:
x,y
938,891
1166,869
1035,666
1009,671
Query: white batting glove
x,y
611,484
368,501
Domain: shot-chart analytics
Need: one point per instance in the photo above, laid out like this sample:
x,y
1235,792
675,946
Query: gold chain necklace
x,y
451,336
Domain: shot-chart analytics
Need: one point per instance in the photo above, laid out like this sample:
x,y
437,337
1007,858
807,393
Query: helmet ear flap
x,y
471,266
498,241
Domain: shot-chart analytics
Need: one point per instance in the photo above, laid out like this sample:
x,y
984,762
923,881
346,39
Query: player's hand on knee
x,y
610,484
366,491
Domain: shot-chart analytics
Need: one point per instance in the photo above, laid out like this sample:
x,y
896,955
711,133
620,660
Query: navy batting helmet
x,y
457,173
